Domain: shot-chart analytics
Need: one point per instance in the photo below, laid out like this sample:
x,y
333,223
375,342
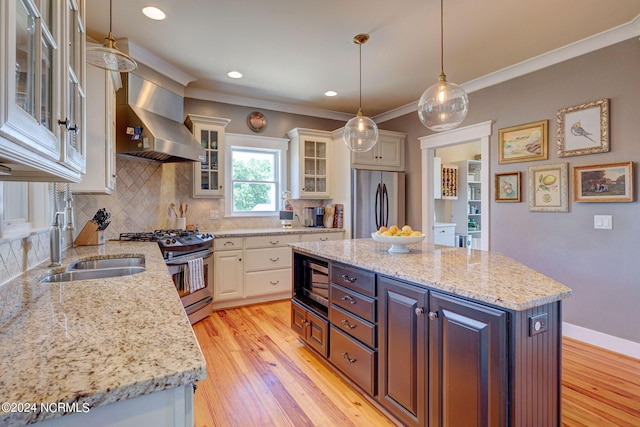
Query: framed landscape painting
x,y
583,129
548,188
612,182
507,187
523,143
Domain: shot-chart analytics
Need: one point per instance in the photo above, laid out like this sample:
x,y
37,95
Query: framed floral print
x,y
583,129
548,188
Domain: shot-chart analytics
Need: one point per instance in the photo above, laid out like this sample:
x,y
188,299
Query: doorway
x,y
428,144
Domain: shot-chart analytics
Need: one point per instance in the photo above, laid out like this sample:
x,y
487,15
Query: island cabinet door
x,y
467,363
402,369
311,327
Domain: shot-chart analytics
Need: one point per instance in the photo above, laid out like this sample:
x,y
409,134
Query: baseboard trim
x,y
615,344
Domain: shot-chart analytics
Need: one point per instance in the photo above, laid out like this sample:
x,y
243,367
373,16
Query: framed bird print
x,y
583,129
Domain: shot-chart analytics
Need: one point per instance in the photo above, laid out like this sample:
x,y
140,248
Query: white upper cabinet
x,y
42,44
310,163
208,176
100,177
387,154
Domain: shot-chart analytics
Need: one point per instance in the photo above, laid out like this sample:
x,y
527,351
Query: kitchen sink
x,y
131,261
100,273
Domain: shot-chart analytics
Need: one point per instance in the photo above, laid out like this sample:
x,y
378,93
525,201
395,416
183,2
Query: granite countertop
x,y
483,276
249,232
94,341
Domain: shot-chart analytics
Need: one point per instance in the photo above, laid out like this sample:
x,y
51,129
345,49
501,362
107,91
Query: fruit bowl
x,y
398,243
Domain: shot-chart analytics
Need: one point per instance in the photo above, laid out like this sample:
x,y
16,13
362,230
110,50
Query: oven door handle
x,y
176,262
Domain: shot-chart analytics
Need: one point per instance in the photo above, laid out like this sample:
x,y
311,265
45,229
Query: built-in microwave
x,y
311,283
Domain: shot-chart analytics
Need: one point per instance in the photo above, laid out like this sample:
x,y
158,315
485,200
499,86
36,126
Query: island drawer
x,y
356,361
354,278
353,325
354,302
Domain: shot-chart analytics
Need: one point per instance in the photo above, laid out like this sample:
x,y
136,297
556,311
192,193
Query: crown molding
x,y
208,95
598,41
150,60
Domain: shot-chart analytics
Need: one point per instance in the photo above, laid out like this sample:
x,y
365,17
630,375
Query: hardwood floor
x,y
259,374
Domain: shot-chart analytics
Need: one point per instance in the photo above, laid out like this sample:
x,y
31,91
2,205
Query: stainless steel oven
x,y
197,302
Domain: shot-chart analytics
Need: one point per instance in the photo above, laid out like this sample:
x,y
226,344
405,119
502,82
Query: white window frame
x,y
280,145
37,205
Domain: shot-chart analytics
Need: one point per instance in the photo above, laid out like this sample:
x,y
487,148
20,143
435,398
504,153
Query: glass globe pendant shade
x,y
443,106
360,133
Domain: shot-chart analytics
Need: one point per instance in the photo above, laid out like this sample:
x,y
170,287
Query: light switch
x,y
603,222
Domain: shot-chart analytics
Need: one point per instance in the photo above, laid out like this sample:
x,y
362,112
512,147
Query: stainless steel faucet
x,y
54,237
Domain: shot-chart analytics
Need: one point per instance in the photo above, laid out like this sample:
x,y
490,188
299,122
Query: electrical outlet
x,y
603,222
538,324
214,214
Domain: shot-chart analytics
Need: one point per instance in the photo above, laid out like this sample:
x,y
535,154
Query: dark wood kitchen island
x,y
439,336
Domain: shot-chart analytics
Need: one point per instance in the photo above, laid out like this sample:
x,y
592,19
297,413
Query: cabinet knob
x,y
346,357
419,311
433,315
220,187
239,259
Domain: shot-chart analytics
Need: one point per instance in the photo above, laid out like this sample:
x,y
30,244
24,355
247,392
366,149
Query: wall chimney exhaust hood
x,y
149,123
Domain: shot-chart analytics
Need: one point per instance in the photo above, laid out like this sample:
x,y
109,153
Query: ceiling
x,y
292,51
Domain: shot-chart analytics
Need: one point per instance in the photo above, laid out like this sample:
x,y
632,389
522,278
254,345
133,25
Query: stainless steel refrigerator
x,y
377,199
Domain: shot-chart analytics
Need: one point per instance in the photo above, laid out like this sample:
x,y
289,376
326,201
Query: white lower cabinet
x,y
444,234
168,408
228,275
250,270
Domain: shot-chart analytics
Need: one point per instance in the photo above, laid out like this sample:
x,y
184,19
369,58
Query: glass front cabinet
x,y
208,176
42,80
310,163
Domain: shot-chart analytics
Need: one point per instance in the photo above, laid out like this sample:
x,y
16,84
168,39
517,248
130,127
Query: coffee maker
x,y
318,216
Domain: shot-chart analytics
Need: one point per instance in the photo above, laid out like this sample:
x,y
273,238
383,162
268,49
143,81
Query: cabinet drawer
x,y
267,282
355,360
271,241
267,258
321,237
445,230
227,243
353,302
354,278
353,325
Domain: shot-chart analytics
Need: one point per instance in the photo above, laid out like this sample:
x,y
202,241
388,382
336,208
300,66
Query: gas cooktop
x,y
170,238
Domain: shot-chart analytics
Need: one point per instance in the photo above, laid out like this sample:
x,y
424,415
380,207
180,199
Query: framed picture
x,y
507,187
548,188
523,143
603,183
583,129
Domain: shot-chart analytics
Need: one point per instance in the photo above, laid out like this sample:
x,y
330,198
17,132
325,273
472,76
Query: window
x,y
255,169
23,206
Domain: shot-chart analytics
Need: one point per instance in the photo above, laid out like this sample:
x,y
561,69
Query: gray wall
x,y
601,266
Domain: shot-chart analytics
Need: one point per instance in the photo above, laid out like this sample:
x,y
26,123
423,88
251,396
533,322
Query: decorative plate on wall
x,y
256,121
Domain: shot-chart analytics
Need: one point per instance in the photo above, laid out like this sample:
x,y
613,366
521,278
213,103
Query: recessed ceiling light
x,y
153,13
330,93
235,74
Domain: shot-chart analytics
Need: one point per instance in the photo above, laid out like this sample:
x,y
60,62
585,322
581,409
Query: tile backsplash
x,y
20,254
144,191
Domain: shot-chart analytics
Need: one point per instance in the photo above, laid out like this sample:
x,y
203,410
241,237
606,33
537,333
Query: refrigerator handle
x,y
385,198
375,209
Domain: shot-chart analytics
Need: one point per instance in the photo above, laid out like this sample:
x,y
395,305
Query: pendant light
x,y
444,105
108,56
360,133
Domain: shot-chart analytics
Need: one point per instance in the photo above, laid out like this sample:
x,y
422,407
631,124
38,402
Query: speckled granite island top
x,y
94,341
479,275
250,232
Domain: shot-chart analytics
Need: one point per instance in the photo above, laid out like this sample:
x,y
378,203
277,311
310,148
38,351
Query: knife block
x,y
89,235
